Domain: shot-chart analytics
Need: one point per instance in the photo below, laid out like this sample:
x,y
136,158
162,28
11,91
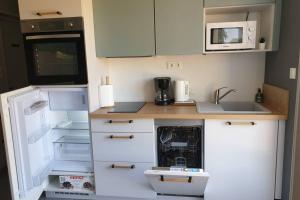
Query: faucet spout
x,y
218,97
226,93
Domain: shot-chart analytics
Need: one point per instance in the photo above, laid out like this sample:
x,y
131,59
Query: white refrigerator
x,y
46,133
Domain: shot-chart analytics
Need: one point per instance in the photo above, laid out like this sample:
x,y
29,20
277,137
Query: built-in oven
x,y
55,51
180,159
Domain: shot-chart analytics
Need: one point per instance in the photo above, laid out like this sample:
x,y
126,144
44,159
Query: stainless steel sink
x,y
232,108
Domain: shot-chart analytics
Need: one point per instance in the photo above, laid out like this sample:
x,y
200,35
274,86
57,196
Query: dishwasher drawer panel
x,y
115,179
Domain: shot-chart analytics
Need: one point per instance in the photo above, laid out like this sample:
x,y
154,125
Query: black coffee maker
x,y
163,91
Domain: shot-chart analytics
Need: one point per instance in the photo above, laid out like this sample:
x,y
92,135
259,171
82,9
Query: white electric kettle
x,y
182,91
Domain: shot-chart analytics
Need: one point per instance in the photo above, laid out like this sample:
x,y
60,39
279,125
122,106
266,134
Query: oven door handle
x,y
54,36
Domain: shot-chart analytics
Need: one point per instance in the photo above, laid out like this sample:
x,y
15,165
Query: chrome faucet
x,y
217,94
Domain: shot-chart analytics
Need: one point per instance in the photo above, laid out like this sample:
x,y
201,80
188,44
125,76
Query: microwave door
x,y
30,133
179,183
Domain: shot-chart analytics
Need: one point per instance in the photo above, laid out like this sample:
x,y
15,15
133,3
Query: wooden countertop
x,y
152,111
276,100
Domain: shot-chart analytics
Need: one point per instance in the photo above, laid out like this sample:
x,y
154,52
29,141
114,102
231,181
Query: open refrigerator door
x,y
25,145
48,141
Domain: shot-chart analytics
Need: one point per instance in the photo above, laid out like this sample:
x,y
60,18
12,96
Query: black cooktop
x,y
126,107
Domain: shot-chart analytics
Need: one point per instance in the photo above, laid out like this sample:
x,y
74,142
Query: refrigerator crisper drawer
x,y
178,182
73,148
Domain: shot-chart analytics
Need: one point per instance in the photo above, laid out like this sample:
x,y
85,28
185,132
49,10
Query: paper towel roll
x,y
106,95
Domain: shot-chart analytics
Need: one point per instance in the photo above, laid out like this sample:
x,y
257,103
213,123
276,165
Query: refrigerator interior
x,y
52,138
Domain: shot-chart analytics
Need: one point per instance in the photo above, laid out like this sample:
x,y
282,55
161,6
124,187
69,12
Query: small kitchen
x,y
147,99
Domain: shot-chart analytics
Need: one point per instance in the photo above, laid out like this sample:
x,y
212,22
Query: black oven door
x,y
56,58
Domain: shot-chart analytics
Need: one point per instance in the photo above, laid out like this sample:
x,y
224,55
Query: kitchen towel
x,y
106,95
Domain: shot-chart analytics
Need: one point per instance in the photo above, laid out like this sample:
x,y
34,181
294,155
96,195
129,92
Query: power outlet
x,y
174,65
293,73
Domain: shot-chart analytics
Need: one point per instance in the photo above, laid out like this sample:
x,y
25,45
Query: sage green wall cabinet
x,y
179,26
220,3
124,28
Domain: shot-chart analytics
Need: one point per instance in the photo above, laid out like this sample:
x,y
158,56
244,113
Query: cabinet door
x,y
3,74
276,27
124,28
179,26
241,159
49,8
15,69
9,7
218,3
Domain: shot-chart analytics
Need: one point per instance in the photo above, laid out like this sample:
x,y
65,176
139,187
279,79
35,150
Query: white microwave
x,y
231,35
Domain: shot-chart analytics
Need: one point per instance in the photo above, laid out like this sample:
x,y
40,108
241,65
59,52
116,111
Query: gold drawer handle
x,y
48,13
176,180
240,123
113,166
121,137
120,122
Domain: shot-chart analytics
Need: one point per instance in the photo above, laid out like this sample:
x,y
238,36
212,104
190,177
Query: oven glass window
x,y
52,59
227,35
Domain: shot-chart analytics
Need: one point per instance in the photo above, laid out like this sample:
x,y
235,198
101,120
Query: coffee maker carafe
x,y
162,89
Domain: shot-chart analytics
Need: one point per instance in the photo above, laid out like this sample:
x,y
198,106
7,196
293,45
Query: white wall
x,y
96,67
133,77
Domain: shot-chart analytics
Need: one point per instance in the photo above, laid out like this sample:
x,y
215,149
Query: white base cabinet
x,y
241,159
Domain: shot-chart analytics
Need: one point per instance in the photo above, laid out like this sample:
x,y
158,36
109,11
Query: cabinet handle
x,y
240,123
121,137
176,180
113,166
48,13
120,122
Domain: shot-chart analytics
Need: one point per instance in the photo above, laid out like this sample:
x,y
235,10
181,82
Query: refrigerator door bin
x,y
38,134
35,107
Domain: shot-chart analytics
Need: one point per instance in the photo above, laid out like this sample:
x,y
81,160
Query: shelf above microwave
x,y
238,9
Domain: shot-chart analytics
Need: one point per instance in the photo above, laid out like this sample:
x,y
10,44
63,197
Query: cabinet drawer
x,y
49,8
133,147
123,180
122,125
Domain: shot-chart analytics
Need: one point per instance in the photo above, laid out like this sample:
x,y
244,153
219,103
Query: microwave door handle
x,y
55,36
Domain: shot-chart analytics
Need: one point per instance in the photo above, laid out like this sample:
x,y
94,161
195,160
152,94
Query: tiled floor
x,y
4,184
